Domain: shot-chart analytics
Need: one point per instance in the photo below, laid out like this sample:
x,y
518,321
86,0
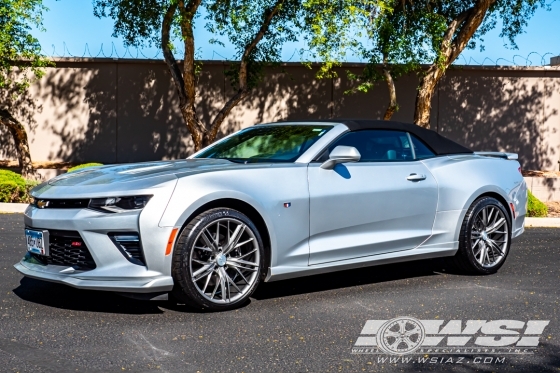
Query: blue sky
x,y
70,25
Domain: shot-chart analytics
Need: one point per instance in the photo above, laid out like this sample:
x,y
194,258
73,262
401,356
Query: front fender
x,y
268,190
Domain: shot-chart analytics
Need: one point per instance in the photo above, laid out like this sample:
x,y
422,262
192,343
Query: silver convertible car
x,y
271,202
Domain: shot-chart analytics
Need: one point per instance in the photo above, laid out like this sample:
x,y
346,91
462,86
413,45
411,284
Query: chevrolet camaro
x,y
271,202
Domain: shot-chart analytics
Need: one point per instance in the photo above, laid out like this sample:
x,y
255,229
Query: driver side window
x,y
377,145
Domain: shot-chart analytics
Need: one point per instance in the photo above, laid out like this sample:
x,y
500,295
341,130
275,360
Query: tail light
x,y
513,210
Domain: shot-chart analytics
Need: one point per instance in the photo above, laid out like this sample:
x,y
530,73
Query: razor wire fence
x,y
516,60
532,59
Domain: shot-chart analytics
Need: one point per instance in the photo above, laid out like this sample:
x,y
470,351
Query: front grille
x,y
67,248
130,246
60,203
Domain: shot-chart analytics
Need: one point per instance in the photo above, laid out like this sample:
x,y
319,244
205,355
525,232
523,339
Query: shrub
x,y
6,175
535,208
85,165
13,187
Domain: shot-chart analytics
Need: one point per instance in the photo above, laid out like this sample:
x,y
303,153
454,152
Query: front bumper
x,y
131,285
112,270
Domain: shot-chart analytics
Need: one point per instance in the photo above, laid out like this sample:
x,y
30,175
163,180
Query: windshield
x,y
267,143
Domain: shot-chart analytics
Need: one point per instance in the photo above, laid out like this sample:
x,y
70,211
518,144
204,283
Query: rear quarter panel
x,y
464,178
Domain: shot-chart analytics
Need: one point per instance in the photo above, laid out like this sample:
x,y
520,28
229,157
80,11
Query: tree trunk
x,y
185,81
393,105
22,145
456,37
424,96
222,115
198,130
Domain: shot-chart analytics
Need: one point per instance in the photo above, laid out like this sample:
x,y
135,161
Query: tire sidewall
x,y
466,241
184,288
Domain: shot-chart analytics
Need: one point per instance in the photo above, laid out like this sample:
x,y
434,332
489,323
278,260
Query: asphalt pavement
x,y
308,324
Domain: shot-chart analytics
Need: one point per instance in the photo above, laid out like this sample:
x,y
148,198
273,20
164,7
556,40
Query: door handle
x,y
416,177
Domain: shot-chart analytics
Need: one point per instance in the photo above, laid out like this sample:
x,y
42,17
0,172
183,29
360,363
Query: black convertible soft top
x,y
439,144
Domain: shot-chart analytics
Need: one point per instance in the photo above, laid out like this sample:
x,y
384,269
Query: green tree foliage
x,y
396,45
21,61
397,36
239,22
466,22
256,28
332,29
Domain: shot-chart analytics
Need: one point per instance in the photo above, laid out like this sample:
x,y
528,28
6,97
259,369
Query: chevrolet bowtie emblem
x,y
42,204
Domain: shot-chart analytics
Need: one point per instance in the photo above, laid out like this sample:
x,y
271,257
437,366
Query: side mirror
x,y
341,154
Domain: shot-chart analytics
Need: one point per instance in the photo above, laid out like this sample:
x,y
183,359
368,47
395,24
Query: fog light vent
x,y
130,246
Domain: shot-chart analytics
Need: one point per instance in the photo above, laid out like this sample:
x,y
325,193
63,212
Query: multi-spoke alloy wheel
x,y
489,236
485,237
218,260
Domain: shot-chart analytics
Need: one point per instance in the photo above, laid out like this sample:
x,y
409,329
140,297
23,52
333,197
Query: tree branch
x,y
268,16
393,105
243,90
168,55
188,109
455,39
469,26
187,14
224,112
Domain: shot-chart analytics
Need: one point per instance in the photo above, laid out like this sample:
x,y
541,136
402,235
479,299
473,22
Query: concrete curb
x,y
542,222
13,207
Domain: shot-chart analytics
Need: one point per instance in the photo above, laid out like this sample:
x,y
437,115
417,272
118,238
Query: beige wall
x,y
126,110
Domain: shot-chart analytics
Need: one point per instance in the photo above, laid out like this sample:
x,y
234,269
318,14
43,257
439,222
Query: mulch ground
x,y
534,173
553,209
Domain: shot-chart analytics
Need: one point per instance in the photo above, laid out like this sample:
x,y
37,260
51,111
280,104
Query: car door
x,y
384,203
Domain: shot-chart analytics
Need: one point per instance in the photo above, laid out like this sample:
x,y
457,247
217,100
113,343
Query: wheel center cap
x,y
221,260
484,236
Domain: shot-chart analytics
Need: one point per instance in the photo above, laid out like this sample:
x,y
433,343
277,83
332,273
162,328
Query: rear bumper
x,y
128,285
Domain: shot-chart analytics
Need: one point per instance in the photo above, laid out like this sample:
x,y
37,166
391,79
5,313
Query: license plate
x,y
37,241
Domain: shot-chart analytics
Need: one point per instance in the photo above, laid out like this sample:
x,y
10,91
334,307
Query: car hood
x,y
127,178
137,171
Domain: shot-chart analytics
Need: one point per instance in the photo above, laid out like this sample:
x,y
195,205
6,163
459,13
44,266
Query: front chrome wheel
x,y
218,260
489,236
224,261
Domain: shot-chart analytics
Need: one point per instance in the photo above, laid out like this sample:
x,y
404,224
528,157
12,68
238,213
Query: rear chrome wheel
x,y
485,237
490,236
218,260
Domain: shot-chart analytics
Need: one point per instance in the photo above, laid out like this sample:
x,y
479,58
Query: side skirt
x,y
421,252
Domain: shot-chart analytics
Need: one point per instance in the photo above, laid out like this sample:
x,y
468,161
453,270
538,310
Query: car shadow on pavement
x,y
66,297
350,278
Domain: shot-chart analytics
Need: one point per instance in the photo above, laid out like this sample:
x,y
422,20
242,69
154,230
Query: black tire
x,y
465,260
189,260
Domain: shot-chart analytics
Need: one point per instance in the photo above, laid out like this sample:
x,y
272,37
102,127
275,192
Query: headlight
x,y
119,204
